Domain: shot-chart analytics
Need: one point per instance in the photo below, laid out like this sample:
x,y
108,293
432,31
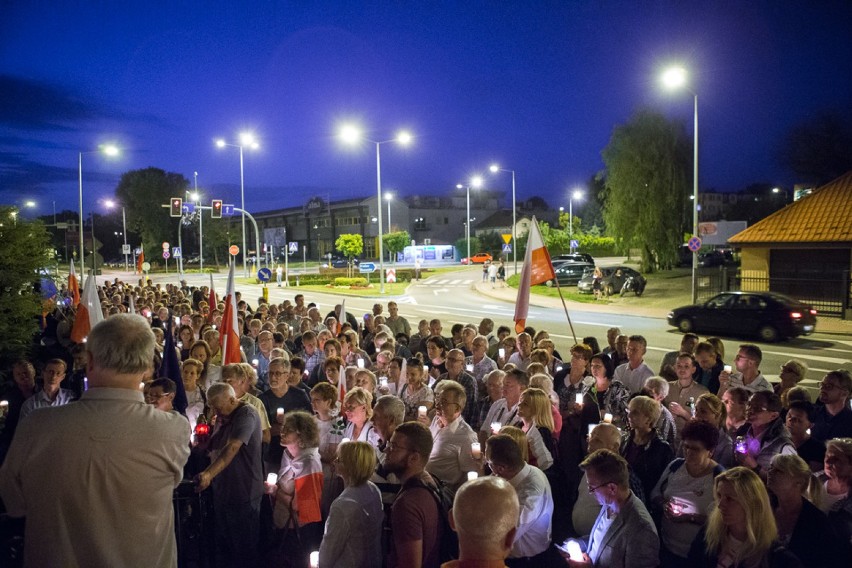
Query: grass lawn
x,y
393,289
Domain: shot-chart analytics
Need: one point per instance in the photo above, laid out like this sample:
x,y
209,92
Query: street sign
x,y
176,252
188,208
574,243
125,249
293,246
227,210
507,237
694,244
166,254
234,250
507,248
146,266
166,245
390,275
367,267
264,275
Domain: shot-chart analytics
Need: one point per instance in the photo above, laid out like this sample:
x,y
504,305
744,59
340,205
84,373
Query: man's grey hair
x,y
219,390
657,385
392,407
123,343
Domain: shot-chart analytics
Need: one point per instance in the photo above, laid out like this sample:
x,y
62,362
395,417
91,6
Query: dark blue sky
x,y
537,86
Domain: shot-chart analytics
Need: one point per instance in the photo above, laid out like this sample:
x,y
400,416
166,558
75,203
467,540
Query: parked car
x,y
613,280
338,261
768,315
569,273
575,256
478,258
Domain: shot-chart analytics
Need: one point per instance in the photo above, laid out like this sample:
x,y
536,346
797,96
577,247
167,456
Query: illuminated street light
x,y
351,134
495,168
108,150
247,140
110,204
476,182
676,78
576,194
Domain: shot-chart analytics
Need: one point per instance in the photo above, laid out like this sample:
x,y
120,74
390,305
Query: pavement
x,y
825,325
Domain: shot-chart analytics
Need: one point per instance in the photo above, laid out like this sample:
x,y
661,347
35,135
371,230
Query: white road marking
x,y
812,357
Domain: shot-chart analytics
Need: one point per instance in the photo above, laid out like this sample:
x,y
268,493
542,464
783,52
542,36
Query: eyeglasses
x,y
445,403
278,374
593,488
353,408
829,386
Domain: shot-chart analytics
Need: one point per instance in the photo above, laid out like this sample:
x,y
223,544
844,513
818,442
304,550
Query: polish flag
x,y
537,269
73,286
140,260
341,386
230,338
89,312
211,300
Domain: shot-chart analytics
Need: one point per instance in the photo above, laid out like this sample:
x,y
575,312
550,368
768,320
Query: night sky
x,y
537,86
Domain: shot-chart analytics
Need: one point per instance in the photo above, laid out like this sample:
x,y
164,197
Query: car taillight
x,y
813,312
796,315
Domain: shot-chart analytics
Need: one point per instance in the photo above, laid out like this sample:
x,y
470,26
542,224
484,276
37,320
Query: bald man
x,y
485,515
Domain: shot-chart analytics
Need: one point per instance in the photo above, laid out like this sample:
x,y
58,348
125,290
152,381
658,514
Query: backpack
x,y
448,547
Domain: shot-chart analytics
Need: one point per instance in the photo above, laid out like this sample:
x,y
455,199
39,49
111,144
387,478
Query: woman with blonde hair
x,y
354,527
358,409
741,530
710,408
535,412
545,382
837,480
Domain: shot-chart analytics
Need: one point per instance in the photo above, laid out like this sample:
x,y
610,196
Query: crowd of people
x,y
343,441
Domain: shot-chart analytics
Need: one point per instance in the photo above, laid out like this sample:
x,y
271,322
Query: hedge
x,y
344,281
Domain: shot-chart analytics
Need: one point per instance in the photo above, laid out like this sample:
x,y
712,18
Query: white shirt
x,y
599,530
500,412
518,361
586,509
543,457
633,379
40,400
536,500
758,384
451,457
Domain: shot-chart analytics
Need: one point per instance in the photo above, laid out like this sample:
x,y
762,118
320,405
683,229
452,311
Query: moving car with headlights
x,y
613,280
767,315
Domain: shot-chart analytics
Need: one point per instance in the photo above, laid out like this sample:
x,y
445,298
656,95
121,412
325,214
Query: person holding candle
x,y
277,401
358,409
241,377
747,375
764,433
451,457
537,424
504,412
610,395
644,450
353,530
325,404
414,392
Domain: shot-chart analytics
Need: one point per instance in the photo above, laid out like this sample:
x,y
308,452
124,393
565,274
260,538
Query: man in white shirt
x,y
50,394
451,456
505,410
748,374
533,489
521,357
633,373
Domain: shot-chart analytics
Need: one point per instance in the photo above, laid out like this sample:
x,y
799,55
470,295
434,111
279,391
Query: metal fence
x,y
829,296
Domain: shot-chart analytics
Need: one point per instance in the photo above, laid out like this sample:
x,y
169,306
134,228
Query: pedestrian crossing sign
x,y
507,248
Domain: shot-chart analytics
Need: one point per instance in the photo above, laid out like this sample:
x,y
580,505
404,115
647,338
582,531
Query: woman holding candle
x,y
764,434
647,453
353,531
611,396
415,393
684,494
358,409
324,401
436,350
537,424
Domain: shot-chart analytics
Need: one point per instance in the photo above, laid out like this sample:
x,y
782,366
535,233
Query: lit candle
x,y
85,383
495,427
728,368
142,385
254,362
476,450
345,440
559,368
425,368
314,559
501,352
469,368
272,478
4,407
578,398
279,413
383,382
608,418
421,411
360,363
591,427
472,475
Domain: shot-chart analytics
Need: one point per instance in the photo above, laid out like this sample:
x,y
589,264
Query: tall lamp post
x,y
675,78
576,194
352,135
495,168
109,150
110,204
475,181
246,141
389,198
196,198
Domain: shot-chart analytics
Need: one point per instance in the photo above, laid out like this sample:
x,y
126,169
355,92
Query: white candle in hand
x,y
608,418
314,559
727,368
421,411
476,450
495,427
472,475
578,398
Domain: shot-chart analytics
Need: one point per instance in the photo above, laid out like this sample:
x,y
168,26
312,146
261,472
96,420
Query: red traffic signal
x,y
216,210
176,207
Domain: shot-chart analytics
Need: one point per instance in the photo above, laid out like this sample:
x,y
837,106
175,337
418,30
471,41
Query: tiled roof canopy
x,y
823,216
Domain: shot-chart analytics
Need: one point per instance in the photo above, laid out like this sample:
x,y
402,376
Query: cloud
x,y
18,174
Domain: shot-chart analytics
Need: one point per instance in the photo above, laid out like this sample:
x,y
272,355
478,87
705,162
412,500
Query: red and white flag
x,y
230,335
537,269
73,286
89,312
140,260
211,300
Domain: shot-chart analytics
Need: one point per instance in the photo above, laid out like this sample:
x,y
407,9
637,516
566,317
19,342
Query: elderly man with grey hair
x,y
70,465
658,389
388,413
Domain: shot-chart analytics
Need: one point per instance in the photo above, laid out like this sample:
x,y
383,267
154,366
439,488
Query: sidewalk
x,y
827,325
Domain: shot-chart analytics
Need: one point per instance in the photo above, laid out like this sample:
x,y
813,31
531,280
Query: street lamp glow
x,y
247,139
776,190
220,143
674,77
109,203
476,181
29,203
404,137
577,194
110,149
193,196
494,168
350,134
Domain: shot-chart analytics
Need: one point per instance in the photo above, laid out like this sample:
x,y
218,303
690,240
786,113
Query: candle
x,y
254,362
360,363
421,411
4,407
728,368
314,559
476,450
608,418
469,368
142,385
495,427
279,413
425,368
578,398
272,478
345,440
85,383
383,382
472,475
501,352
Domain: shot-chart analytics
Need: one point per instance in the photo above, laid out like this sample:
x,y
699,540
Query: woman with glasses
x,y
358,409
764,435
353,530
611,396
684,495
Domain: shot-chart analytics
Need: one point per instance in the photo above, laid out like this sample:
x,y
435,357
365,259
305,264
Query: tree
x,y
819,149
24,249
475,246
647,164
142,192
350,246
396,242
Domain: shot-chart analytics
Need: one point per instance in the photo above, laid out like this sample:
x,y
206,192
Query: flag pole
x,y
565,307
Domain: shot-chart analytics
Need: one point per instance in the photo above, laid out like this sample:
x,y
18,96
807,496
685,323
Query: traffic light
x,y
176,209
216,211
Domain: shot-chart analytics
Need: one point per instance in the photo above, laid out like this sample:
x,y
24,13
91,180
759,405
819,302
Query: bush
x,y
358,281
597,246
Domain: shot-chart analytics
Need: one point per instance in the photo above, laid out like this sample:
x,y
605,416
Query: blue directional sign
x,y
367,267
264,274
188,208
227,210
507,248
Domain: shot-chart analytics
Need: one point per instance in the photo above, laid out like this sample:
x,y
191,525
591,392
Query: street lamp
x,y
495,168
351,134
475,181
777,190
109,150
675,78
110,204
247,140
196,198
576,194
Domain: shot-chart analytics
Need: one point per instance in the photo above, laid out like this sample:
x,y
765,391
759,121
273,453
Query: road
x,y
452,298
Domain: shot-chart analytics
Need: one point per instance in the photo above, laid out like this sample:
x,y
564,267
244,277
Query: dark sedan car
x,y
569,273
767,315
612,281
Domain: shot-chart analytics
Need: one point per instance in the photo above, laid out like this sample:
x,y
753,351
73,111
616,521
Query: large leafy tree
x,y
349,245
24,249
396,242
142,192
647,183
